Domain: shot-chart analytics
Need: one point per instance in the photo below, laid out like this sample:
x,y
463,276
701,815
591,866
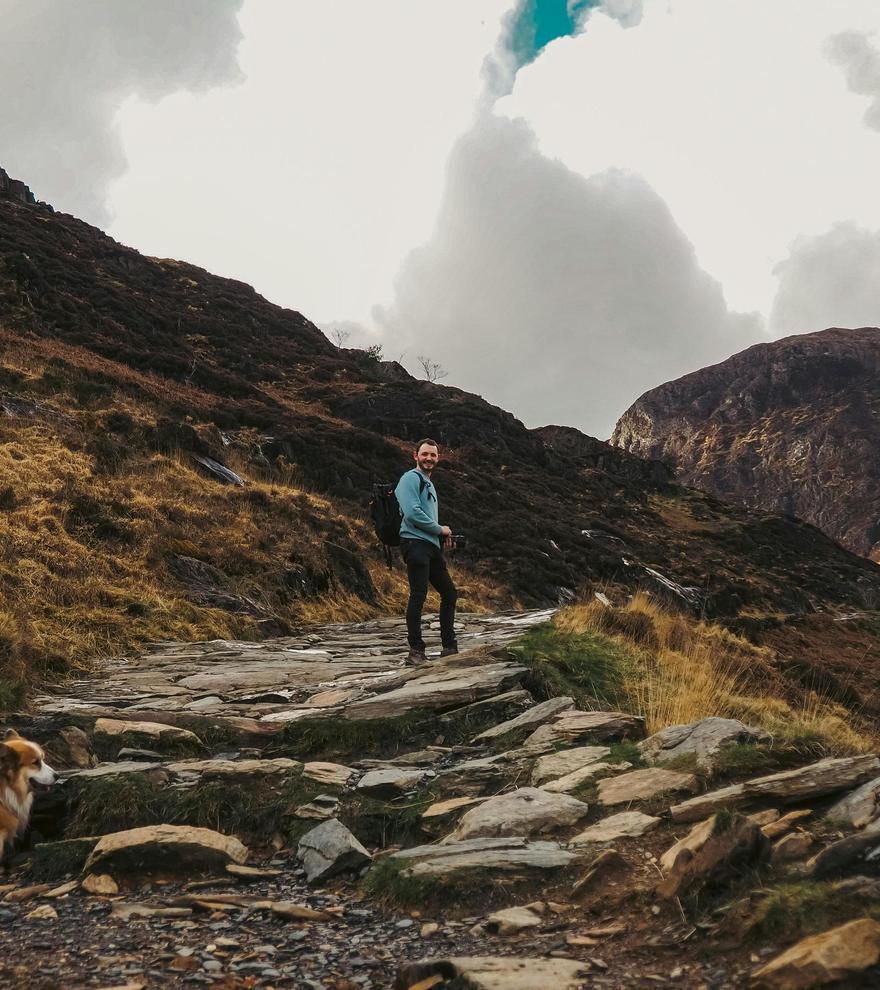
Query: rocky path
x,y
308,812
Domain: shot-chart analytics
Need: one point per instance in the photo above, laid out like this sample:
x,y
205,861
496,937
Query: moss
x,y
384,823
250,808
322,739
625,752
389,884
586,666
794,910
51,860
749,760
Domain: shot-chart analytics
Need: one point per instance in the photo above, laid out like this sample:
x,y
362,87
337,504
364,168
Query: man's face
x,y
426,457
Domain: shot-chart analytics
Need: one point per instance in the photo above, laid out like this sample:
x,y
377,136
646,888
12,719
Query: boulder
x,y
526,811
820,959
586,775
627,824
566,761
859,808
576,726
392,782
846,853
72,748
642,785
494,973
793,846
728,847
528,721
159,849
703,739
329,849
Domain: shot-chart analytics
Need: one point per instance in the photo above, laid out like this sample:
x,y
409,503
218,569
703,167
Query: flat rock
x,y
642,785
529,720
503,854
158,849
826,958
699,807
122,769
794,846
230,769
511,921
703,739
576,726
626,824
586,775
526,811
438,690
816,780
391,782
333,774
852,851
154,731
502,706
859,808
496,973
566,761
330,849
472,777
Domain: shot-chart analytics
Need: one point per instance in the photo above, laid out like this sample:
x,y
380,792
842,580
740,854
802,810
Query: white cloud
x,y
554,295
830,280
730,109
312,179
65,68
860,60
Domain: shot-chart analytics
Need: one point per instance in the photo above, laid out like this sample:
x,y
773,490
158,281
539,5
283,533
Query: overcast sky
x,y
562,202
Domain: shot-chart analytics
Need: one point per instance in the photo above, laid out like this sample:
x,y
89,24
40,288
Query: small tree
x,y
432,369
374,351
339,336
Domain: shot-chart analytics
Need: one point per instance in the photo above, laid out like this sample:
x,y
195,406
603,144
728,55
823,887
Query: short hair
x,y
430,442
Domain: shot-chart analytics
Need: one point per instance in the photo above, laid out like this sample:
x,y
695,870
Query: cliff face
x,y
791,426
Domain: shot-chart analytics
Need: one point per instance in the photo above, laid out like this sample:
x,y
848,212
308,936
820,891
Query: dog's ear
x,y
8,757
11,734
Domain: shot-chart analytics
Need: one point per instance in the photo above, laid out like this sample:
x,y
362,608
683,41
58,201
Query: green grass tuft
x,y
795,910
588,667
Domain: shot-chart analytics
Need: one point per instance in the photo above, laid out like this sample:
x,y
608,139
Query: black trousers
x,y
424,563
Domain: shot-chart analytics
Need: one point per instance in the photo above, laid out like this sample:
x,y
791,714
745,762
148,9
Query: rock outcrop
x,y
789,426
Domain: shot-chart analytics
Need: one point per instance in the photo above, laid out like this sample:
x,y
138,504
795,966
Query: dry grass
x,y
92,519
686,670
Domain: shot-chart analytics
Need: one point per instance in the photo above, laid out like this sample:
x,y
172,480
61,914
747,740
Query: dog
x,y
23,771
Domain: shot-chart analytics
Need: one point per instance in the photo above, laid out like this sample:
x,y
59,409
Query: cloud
x,y
860,61
557,296
829,280
67,67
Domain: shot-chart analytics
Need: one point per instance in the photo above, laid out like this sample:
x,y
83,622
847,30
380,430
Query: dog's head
x,y
23,761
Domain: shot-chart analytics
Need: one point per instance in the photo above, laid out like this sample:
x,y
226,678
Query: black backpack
x,y
386,515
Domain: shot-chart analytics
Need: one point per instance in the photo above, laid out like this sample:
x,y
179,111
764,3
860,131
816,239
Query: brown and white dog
x,y
23,770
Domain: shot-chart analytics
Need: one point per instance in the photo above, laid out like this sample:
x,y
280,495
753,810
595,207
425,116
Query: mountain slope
x,y
117,369
791,426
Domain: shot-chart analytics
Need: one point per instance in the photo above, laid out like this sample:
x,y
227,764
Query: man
x,y
422,540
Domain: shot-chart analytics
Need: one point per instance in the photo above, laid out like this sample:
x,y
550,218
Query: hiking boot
x,y
449,651
415,658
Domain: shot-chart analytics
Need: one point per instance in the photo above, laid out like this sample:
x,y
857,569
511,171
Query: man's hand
x,y
446,533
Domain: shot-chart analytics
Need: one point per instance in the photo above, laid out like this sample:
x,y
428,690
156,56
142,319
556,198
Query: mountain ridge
x,y
789,426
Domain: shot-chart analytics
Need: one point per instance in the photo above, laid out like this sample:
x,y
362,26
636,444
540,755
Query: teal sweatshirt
x,y
419,510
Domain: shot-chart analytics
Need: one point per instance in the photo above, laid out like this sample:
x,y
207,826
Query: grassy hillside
x,y
116,369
